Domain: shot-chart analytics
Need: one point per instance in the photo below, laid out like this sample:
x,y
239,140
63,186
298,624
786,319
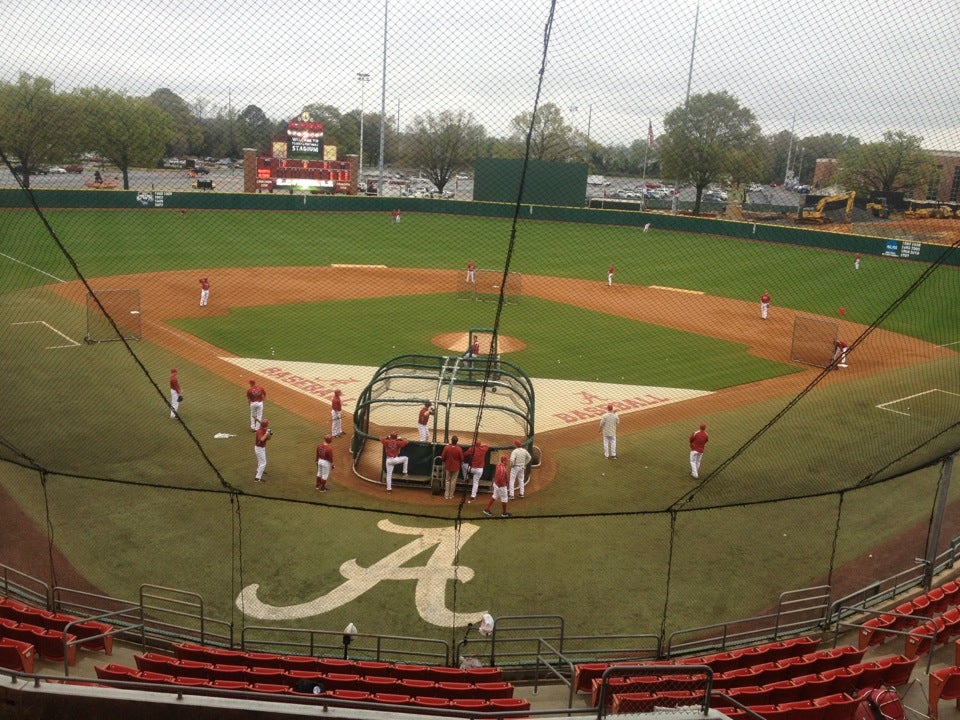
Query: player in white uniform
x,y
519,459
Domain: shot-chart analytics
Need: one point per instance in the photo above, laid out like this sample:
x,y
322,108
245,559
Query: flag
x,y
650,132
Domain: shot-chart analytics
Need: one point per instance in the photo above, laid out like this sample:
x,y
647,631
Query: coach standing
x,y
176,394
336,414
392,446
204,291
764,305
452,456
698,441
324,462
608,429
255,396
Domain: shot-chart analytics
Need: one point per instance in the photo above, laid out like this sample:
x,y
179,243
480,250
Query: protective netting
x,y
128,126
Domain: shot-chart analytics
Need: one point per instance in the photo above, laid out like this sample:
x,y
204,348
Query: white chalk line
x,y
42,272
73,343
883,406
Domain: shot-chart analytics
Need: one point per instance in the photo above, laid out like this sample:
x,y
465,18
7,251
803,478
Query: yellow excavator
x,y
928,211
878,207
817,214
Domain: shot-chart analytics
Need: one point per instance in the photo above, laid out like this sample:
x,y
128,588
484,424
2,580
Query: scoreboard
x,y
304,138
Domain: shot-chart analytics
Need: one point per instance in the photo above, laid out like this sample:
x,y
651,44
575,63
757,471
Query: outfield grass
x,y
815,281
596,547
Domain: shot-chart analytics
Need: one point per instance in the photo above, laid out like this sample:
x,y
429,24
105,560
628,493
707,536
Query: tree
x,y
896,164
708,140
187,134
552,139
36,125
254,129
126,131
443,144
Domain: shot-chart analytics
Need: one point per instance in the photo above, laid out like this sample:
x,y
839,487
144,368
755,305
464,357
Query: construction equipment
x,y
928,211
817,214
878,207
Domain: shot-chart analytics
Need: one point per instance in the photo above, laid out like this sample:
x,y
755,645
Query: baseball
x,y
603,474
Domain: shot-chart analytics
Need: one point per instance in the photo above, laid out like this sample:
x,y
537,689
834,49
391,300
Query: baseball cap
x,y
703,426
503,459
393,435
173,370
264,423
337,391
253,382
517,443
328,438
610,407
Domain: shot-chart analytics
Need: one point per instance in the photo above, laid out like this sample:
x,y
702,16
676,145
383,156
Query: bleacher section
x,y
194,665
772,680
33,632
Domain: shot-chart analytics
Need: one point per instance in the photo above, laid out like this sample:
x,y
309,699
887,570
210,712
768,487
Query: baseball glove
x,y
179,398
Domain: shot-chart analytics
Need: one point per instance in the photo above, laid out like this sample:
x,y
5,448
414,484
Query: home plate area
x,y
559,403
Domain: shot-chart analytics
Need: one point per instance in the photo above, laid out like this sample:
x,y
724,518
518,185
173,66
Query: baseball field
x,y
810,476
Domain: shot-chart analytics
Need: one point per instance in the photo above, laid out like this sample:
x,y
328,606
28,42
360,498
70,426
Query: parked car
x,y
56,170
714,196
73,168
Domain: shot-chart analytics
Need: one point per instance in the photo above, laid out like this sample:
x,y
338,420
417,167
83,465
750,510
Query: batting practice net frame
x,y
113,315
813,341
486,288
460,388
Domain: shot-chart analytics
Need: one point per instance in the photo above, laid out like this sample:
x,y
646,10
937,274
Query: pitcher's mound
x,y
458,342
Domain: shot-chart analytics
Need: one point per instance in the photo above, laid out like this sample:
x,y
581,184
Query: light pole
x,y
364,78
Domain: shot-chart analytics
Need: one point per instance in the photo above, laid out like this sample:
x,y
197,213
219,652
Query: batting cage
x,y
473,397
113,315
814,340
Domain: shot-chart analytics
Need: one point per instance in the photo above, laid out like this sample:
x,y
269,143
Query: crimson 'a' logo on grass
x,y
431,579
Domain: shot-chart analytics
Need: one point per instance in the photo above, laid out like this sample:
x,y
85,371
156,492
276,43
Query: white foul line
x,y
882,406
73,343
42,272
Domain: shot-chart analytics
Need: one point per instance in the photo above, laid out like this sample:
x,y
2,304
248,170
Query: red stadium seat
x,y
484,674
229,685
299,662
272,688
190,651
233,673
628,702
944,685
416,686
871,677
585,673
193,668
372,667
491,690
391,698
265,675
336,665
341,681
750,695
261,659
354,695
839,706
872,631
938,600
114,671
784,691
17,655
406,670
442,672
378,683
154,677
50,645
455,690
471,704
429,701
93,630
897,669
188,681
225,656
155,663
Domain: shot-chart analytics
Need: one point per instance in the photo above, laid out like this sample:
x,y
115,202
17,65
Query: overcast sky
x,y
858,68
